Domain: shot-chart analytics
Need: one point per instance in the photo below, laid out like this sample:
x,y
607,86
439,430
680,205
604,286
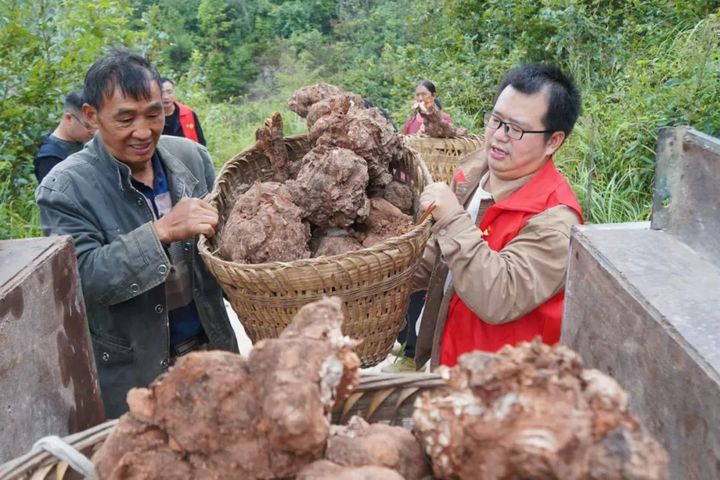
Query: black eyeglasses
x,y
512,131
82,122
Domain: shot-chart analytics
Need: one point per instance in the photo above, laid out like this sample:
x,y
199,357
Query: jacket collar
x,y
181,181
532,195
467,177
474,170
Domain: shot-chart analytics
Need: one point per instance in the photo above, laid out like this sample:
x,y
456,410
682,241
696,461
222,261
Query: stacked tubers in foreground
x,y
533,412
529,412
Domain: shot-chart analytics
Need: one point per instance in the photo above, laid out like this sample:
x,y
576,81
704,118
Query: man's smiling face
x,y
130,128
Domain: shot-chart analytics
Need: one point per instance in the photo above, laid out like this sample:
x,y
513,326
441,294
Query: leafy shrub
x,y
46,48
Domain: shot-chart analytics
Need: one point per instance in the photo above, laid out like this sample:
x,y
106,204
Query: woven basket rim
x,y
380,247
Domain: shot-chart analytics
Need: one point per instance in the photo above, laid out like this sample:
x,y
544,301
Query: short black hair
x,y
122,69
564,105
166,79
74,101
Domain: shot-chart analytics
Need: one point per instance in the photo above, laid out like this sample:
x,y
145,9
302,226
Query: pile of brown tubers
x,y
529,412
339,197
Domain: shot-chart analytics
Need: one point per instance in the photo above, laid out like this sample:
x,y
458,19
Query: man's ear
x,y
90,115
556,139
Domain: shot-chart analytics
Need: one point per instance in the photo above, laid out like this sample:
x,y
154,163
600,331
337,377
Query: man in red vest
x,y
180,120
495,265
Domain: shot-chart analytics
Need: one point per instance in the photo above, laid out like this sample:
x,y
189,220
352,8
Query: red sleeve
x,y
412,126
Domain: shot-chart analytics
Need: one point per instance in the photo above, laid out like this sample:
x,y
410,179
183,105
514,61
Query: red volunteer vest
x,y
465,331
187,122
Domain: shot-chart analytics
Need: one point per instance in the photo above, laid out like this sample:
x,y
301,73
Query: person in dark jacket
x,y
180,120
132,202
69,136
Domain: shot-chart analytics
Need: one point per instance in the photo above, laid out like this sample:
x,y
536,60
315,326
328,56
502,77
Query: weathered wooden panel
x,y
645,308
48,382
686,203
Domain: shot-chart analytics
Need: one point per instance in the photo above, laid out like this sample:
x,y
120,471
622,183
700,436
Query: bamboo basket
x,y
385,398
442,155
373,283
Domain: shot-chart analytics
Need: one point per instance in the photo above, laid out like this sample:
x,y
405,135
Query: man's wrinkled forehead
x,y
134,91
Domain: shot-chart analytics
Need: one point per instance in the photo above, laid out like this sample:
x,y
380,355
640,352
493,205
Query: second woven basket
x,y
373,283
442,155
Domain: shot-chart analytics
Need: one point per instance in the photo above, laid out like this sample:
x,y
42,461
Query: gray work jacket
x,y
123,266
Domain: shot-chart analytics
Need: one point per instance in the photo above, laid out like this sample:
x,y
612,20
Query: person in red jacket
x,y
495,265
180,120
426,98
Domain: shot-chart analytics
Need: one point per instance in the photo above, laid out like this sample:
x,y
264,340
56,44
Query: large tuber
x,y
269,139
335,242
265,226
330,187
216,415
301,101
533,412
400,195
365,131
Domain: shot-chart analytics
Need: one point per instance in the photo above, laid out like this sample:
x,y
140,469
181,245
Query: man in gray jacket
x,y
132,201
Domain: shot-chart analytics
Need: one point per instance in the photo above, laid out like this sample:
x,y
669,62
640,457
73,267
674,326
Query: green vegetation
x,y
641,65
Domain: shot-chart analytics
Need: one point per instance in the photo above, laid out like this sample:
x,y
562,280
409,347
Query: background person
x,y
69,136
131,200
495,266
180,120
426,97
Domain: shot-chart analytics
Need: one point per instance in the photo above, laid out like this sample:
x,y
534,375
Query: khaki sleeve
x,y
421,278
501,286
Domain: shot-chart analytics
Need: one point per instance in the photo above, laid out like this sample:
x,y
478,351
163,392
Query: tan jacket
x,y
529,270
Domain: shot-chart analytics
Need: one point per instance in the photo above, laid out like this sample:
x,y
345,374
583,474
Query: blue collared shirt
x,y
184,321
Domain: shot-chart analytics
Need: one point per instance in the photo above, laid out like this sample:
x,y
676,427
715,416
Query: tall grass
x,y
230,127
610,158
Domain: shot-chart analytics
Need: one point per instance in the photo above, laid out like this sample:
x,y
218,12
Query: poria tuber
x,y
330,187
359,443
304,98
533,412
269,140
434,126
327,470
400,195
366,132
265,226
384,221
217,415
335,242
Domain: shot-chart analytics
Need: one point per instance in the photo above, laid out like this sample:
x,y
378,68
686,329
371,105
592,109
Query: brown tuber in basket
x,y
442,155
385,398
373,282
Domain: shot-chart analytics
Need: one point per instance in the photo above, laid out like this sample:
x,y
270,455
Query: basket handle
x,y
57,447
426,213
